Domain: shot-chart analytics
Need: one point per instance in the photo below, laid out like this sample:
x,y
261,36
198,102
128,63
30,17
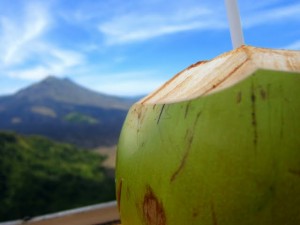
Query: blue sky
x,y
129,47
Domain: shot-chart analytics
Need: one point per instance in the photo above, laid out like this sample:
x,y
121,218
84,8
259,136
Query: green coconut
x,y
219,144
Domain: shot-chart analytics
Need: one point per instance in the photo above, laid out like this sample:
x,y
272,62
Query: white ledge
x,y
94,214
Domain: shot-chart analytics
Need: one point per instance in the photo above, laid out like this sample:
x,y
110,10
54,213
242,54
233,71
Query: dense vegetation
x,y
80,118
38,176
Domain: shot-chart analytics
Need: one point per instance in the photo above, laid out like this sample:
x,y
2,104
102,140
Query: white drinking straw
x,y
236,32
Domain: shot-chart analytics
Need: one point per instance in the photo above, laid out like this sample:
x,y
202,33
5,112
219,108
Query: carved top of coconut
x,y
207,77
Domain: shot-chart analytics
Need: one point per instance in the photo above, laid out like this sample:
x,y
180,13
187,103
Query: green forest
x,y
39,176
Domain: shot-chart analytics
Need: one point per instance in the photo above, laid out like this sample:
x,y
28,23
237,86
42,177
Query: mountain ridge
x,y
66,90
65,111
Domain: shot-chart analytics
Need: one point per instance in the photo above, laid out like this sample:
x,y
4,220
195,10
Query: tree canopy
x,y
39,176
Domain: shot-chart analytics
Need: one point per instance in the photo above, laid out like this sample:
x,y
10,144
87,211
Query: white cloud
x,y
259,5
35,73
26,53
64,59
293,46
53,61
137,27
271,16
123,84
130,88
18,33
141,25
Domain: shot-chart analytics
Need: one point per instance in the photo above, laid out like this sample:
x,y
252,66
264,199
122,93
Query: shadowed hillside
x,y
63,110
39,176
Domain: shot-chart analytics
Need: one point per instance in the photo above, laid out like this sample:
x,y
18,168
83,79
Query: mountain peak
x,y
66,91
51,77
49,87
55,79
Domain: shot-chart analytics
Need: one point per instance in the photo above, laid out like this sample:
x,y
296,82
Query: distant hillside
x,y
68,92
38,176
63,110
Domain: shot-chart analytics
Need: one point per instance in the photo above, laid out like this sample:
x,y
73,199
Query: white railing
x,y
89,215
